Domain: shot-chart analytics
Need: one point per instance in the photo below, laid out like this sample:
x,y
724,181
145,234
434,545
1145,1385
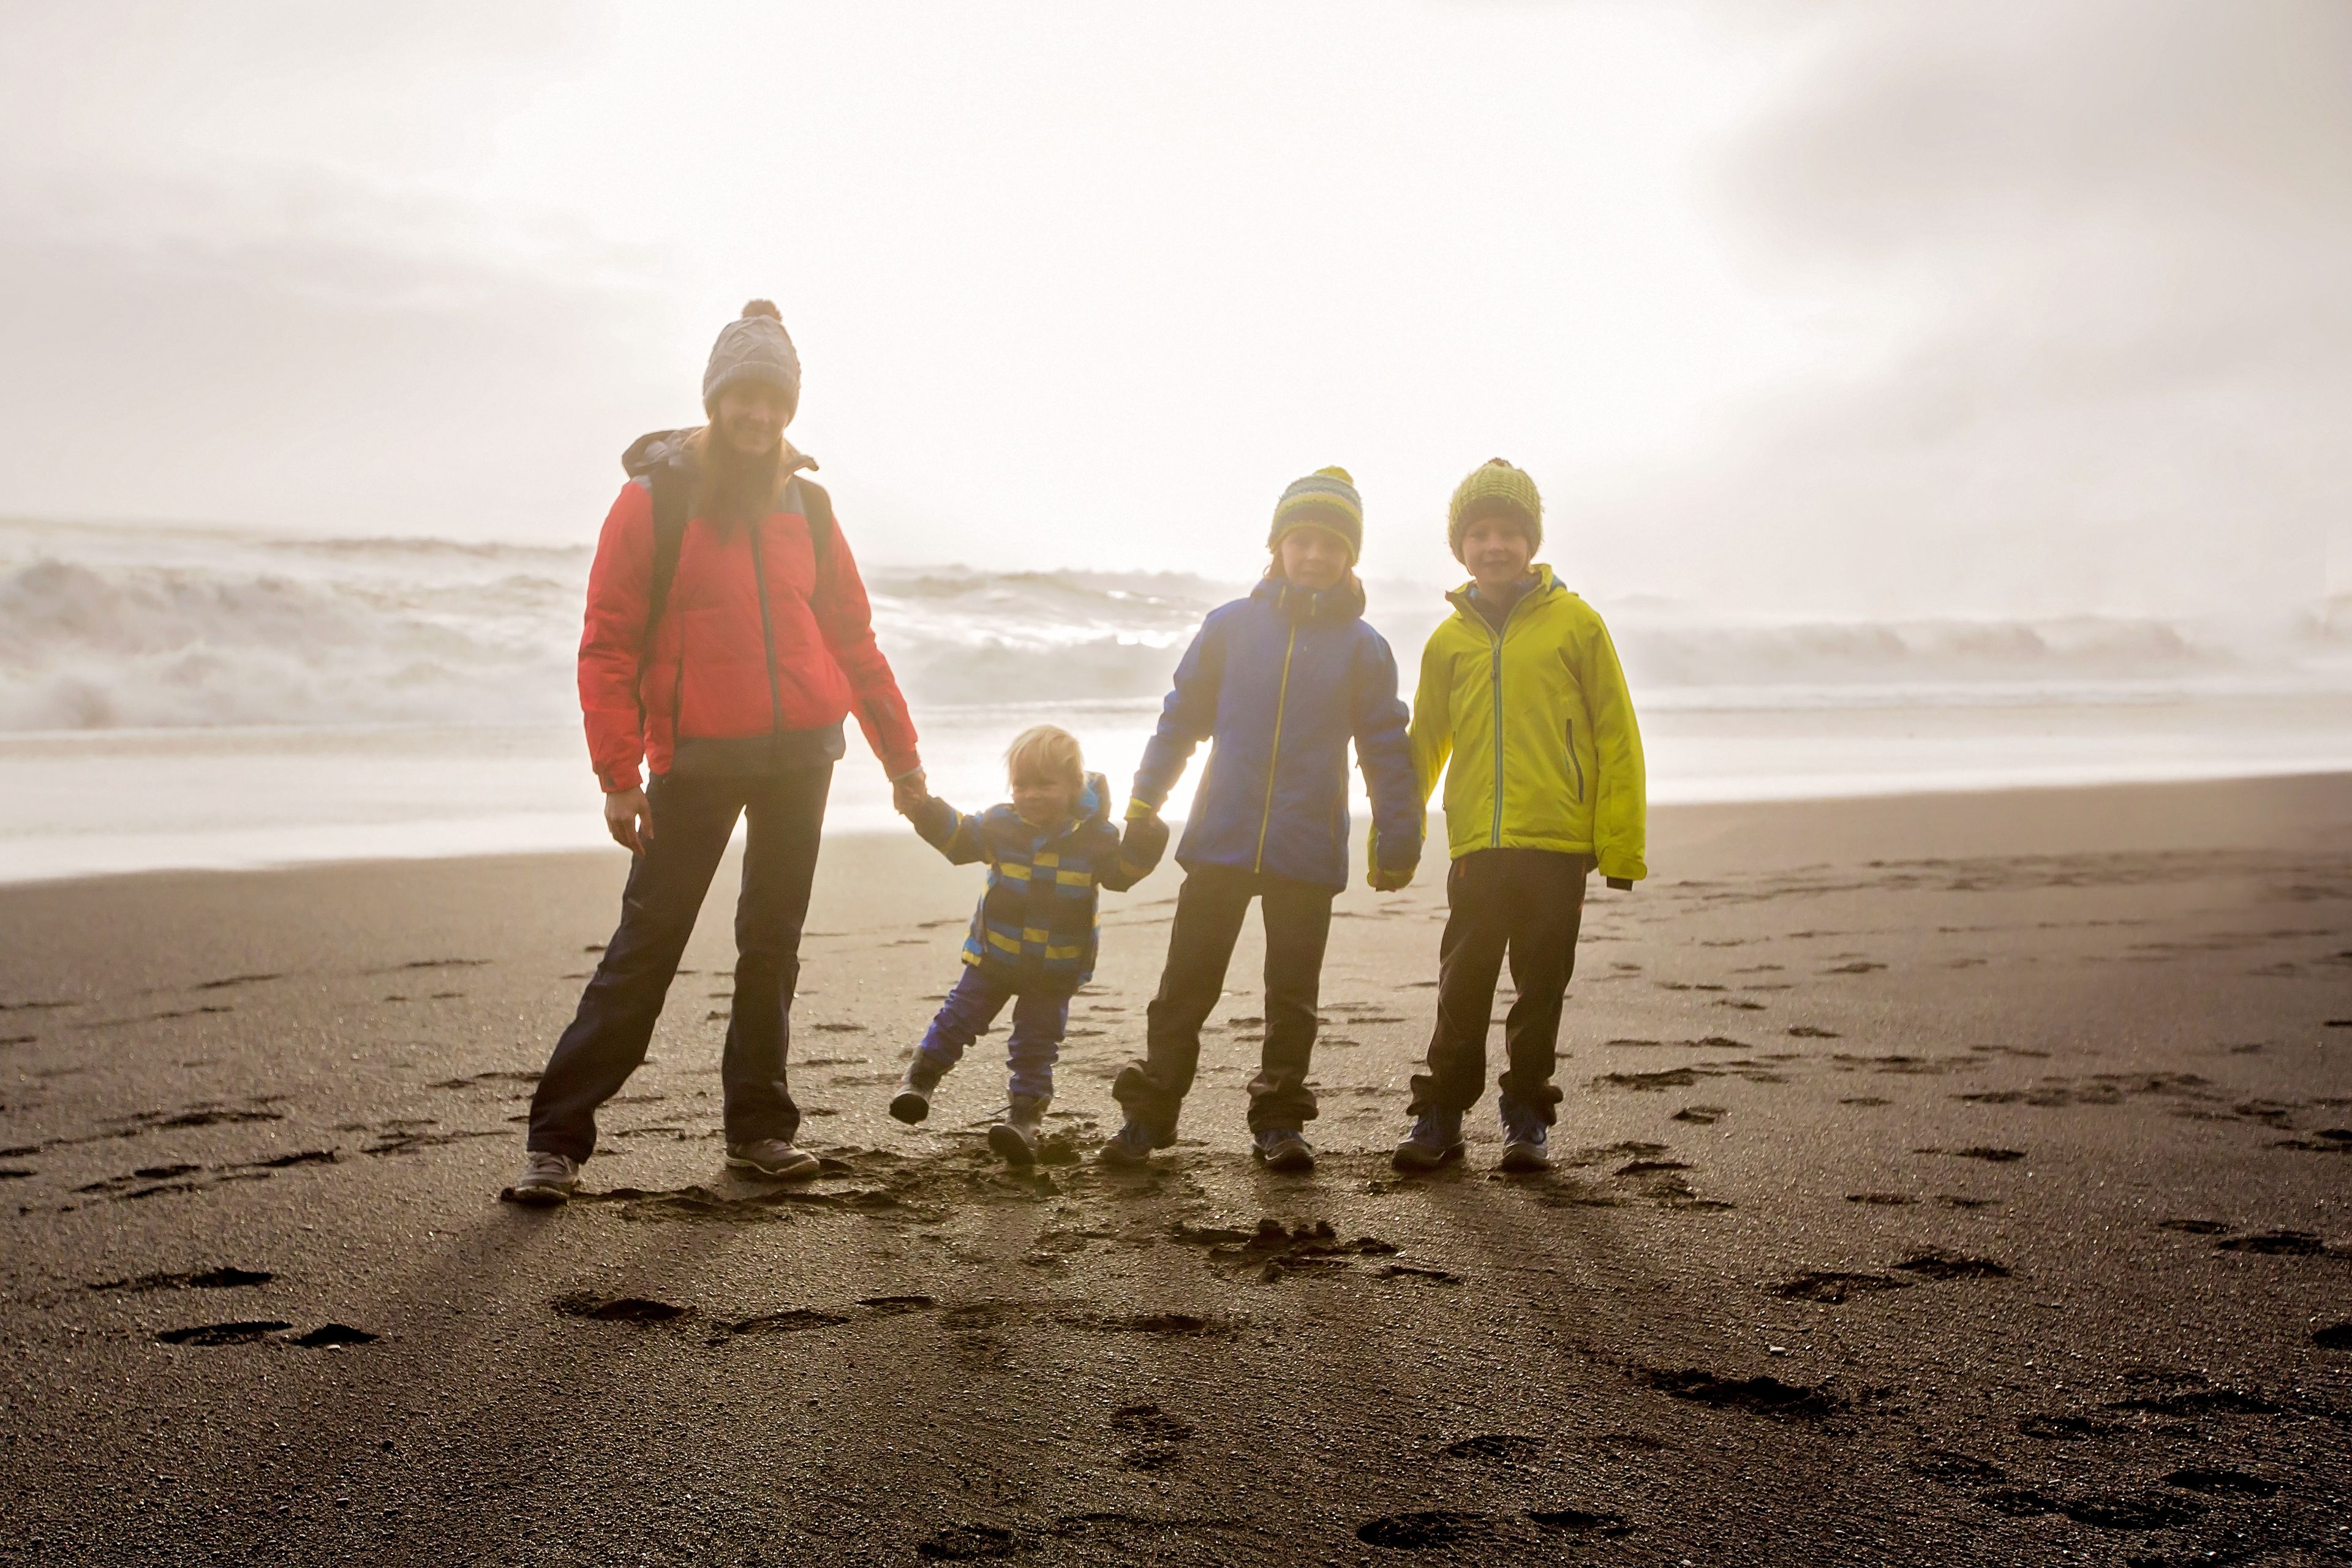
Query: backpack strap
x,y
673,489
817,507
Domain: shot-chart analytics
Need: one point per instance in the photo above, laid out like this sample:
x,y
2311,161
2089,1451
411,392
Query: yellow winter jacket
x,y
1562,769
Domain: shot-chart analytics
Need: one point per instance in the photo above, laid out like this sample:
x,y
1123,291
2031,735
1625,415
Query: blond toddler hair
x,y
1046,751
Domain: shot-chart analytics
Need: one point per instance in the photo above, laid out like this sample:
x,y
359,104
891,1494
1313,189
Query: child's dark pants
x,y
1040,1018
1528,904
1210,908
692,819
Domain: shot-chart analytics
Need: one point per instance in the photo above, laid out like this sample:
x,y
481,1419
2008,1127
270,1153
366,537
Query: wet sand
x,y
1944,1179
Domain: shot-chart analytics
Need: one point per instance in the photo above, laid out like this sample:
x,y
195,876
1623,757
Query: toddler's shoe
x,y
1283,1148
912,1103
1525,1137
1436,1138
774,1158
1015,1139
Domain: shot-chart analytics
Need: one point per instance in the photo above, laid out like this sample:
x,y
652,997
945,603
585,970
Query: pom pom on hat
x,y
762,308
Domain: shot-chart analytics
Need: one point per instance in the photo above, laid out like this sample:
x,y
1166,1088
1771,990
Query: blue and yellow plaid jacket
x,y
1035,927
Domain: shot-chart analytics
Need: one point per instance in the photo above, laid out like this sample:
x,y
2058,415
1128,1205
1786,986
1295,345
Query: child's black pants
x,y
1526,903
1210,908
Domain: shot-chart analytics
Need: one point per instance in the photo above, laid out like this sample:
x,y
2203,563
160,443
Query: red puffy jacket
x,y
751,640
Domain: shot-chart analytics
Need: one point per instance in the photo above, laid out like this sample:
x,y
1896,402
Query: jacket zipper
x,y
1274,758
767,633
1495,839
1575,766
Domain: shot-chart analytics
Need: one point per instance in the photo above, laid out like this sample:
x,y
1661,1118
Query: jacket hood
x,y
1544,583
1093,804
1344,603
682,450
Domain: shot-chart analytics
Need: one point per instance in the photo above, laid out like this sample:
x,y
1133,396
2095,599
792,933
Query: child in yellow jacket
x,y
1523,707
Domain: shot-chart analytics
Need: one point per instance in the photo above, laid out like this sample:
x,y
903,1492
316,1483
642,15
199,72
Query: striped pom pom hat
x,y
1326,499
1495,488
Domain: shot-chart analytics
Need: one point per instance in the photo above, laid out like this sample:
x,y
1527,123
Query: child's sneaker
x,y
912,1103
1129,1147
1436,1138
1283,1148
1015,1139
1523,1139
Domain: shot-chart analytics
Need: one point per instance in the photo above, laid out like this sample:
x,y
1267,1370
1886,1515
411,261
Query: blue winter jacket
x,y
1280,681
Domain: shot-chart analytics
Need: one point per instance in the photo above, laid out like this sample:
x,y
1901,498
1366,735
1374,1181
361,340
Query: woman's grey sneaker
x,y
1524,1136
1436,1138
548,1179
1015,1139
1283,1148
912,1103
774,1158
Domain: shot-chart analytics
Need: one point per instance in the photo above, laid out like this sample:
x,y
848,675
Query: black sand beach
x,y
1949,1179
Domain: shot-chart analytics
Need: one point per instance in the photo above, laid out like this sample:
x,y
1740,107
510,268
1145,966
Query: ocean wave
x,y
160,628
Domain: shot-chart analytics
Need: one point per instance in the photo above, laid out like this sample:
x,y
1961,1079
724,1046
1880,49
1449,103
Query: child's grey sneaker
x,y
1015,1139
912,1103
1129,1147
1525,1139
1436,1138
1283,1148
774,1158
548,1179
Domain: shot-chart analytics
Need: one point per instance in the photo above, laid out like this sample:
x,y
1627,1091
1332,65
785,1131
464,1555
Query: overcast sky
x,y
1845,309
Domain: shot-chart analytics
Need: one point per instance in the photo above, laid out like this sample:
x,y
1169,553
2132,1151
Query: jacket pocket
x,y
1575,767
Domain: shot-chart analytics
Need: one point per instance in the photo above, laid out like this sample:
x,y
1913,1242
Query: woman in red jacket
x,y
728,636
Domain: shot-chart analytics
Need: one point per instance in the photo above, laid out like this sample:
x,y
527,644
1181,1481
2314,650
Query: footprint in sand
x,y
221,1278
639,1310
1151,1436
1756,1396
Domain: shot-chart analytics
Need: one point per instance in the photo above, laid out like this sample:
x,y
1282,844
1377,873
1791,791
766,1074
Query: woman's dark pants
x,y
692,820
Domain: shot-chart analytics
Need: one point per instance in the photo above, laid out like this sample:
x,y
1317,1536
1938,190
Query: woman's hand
x,y
629,819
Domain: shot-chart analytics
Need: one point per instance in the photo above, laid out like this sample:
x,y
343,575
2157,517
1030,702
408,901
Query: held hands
x,y
909,792
1144,842
629,819
1382,877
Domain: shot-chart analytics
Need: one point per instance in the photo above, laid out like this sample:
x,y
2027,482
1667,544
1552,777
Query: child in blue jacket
x,y
1032,940
1279,683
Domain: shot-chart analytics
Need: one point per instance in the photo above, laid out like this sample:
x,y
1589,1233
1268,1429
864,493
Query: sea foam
x,y
123,628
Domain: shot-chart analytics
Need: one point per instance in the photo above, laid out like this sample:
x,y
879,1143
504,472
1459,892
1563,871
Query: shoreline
x,y
563,835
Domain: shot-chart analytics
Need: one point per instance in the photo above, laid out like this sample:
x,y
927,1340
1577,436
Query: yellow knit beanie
x,y
1496,489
